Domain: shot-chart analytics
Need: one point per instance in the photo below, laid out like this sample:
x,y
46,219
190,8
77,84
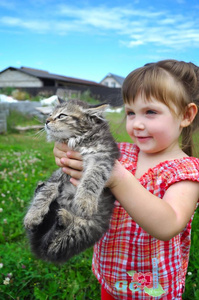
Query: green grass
x,y
24,160
16,118
117,125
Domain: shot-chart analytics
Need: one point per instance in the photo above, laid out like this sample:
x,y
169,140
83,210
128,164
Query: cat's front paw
x,y
85,205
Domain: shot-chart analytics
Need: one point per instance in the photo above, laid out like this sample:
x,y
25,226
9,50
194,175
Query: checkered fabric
x,y
127,261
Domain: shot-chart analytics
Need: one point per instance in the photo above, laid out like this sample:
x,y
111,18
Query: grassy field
x,y
24,160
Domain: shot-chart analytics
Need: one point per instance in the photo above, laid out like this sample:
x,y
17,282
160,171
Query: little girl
x,y
145,253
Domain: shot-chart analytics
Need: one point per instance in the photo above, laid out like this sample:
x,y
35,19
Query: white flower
x,y
1,209
189,273
1,265
6,281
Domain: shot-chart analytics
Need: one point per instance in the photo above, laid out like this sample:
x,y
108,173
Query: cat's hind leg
x,y
72,240
64,218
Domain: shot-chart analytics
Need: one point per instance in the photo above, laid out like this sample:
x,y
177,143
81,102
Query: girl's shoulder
x,y
184,165
186,168
172,171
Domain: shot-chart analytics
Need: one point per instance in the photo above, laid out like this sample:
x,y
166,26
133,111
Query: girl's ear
x,y
189,115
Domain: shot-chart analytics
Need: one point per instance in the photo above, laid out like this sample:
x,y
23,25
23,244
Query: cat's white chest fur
x,y
72,142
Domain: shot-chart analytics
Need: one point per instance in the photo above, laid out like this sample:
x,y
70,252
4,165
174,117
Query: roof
x,y
46,75
118,78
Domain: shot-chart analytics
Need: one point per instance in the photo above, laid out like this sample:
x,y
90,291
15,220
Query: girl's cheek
x,y
129,129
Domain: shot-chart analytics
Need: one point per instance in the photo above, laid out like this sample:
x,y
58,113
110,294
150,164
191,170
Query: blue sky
x,y
88,39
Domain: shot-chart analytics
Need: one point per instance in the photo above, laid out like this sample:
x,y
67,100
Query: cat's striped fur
x,y
63,220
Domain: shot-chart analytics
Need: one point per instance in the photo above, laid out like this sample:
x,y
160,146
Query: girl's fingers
x,y
74,155
72,163
64,156
72,173
61,146
74,181
58,162
59,153
62,150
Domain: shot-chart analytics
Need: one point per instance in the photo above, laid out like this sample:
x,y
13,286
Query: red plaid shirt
x,y
131,264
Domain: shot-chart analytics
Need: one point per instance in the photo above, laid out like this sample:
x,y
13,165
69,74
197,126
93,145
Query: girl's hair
x,y
174,83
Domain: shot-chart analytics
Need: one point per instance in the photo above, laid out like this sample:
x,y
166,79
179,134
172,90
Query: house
x,y
112,80
36,81
27,77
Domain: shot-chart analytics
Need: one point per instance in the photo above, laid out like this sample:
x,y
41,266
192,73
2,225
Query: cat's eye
x,y
61,116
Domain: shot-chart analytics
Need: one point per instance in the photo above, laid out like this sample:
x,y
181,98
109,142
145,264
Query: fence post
x,y
3,117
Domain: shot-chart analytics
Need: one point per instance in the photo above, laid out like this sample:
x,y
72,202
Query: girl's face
x,y
152,126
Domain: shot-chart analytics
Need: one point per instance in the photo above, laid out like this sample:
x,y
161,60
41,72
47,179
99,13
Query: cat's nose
x,y
47,121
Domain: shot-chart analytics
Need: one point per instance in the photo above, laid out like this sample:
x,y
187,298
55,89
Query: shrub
x,y
7,90
20,95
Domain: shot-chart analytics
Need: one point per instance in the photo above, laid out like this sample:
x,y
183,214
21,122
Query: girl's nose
x,y
138,124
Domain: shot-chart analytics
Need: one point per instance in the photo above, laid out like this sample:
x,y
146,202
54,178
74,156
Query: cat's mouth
x,y
48,128
53,134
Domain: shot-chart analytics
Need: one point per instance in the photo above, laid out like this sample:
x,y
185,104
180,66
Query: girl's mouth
x,y
143,138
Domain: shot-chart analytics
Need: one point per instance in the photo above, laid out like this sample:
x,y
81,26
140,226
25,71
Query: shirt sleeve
x,y
178,171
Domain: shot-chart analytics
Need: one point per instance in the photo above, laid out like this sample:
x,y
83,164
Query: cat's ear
x,y
98,111
60,101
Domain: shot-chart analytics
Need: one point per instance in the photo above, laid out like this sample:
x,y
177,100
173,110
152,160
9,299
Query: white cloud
x,y
10,21
135,43
27,24
134,27
138,27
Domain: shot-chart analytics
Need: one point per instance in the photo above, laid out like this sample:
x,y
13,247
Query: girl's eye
x,y
61,116
130,113
151,112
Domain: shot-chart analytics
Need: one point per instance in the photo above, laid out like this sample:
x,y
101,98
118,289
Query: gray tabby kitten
x,y
64,220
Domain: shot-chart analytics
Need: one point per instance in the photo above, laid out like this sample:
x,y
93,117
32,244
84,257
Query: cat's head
x,y
73,118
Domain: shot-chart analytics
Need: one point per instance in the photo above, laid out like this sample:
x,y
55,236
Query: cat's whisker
x,y
36,118
39,133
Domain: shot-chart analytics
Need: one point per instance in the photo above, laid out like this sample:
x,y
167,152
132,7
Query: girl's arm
x,y
161,218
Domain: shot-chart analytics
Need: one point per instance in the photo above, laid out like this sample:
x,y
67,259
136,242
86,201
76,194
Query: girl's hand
x,y
117,175
70,161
